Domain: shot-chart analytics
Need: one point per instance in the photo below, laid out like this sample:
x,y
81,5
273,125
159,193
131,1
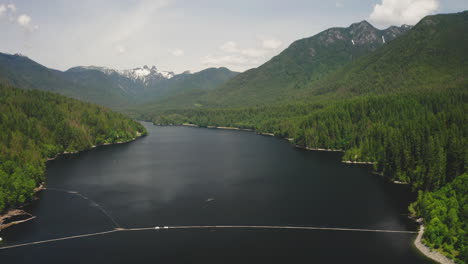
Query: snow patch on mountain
x,y
144,74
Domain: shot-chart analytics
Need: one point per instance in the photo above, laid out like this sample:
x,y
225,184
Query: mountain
x,y
430,57
144,76
141,85
116,89
20,71
23,72
305,60
37,125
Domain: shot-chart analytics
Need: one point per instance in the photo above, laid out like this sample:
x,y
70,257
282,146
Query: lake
x,y
194,176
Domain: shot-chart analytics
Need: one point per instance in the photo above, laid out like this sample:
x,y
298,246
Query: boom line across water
x,y
208,227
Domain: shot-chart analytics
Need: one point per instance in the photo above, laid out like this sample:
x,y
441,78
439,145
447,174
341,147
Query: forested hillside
x,y
431,57
403,107
287,75
37,125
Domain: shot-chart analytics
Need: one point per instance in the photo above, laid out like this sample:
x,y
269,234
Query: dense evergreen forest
x,y
37,125
419,138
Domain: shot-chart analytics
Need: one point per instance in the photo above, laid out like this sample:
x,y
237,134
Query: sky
x,y
180,35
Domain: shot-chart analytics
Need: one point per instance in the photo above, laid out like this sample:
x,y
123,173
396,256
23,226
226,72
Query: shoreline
x,y
316,149
358,162
14,213
18,212
429,253
94,146
219,127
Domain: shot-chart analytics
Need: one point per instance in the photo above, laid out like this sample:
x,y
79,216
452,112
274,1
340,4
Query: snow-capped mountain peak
x,y
144,74
167,74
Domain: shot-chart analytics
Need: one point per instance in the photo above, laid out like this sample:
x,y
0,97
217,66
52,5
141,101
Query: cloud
x,y
230,47
224,60
12,7
2,10
120,49
177,52
338,4
234,55
267,46
22,20
397,12
254,53
25,21
271,44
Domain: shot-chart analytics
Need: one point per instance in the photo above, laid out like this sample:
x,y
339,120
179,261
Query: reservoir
x,y
185,176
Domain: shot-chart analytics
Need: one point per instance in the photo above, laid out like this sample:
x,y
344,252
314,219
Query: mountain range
x,y
109,87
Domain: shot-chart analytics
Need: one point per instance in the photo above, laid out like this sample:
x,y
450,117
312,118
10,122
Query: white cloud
x,y
271,44
224,60
338,4
2,9
25,21
230,47
232,55
254,52
177,52
120,49
397,12
267,46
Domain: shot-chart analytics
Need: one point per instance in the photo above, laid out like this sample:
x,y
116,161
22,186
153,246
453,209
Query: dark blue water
x,y
190,176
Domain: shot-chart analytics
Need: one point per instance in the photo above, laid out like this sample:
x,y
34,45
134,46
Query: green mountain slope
x,y
22,72
183,88
432,56
287,74
36,125
303,61
205,80
104,89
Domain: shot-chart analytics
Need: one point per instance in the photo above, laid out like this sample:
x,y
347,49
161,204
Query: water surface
x,y
192,176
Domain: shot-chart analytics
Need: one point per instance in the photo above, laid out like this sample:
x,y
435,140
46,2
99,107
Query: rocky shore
x,y
434,255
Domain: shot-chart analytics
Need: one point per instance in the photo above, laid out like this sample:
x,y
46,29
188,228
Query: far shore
x,y
94,146
291,140
359,162
318,149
